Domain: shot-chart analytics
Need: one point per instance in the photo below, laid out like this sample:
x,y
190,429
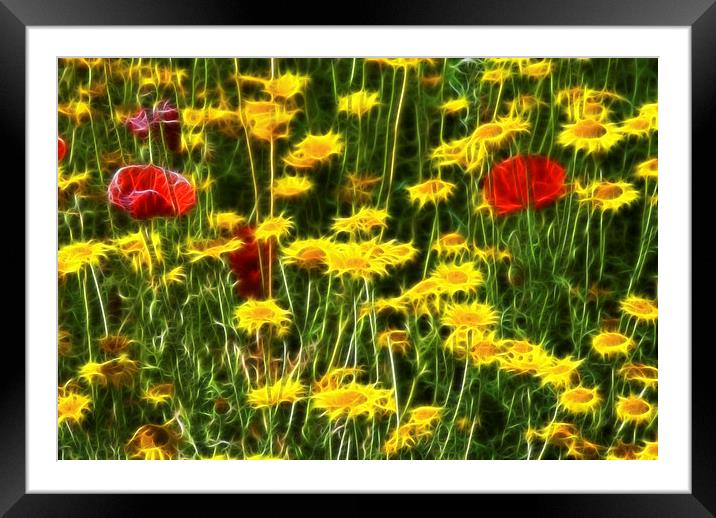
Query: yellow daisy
x,y
193,117
641,308
365,220
315,149
455,105
306,253
286,85
281,391
401,62
611,343
622,451
115,345
225,221
76,110
354,260
358,188
648,169
580,399
358,103
537,69
453,152
430,191
71,406
425,417
71,258
74,182
634,409
397,340
354,399
153,442
404,437
607,195
266,120
174,276
650,451
561,373
213,249
494,134
646,122
474,316
590,136
159,394
291,186
640,372
450,245
523,357
491,254
455,278
482,348
273,228
496,75
253,315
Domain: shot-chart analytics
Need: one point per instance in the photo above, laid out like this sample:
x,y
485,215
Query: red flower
x,y
166,116
247,261
524,181
61,149
148,191
163,117
139,124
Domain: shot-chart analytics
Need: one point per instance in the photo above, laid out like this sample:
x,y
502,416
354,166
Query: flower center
x,y
453,240
489,131
456,277
521,347
636,407
611,340
642,307
357,263
639,124
424,414
313,254
469,319
581,396
608,192
350,399
484,350
432,187
589,129
262,314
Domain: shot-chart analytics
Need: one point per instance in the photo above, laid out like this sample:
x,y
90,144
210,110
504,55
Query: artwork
x,y
357,258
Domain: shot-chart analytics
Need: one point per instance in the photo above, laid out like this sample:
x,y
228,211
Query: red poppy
x,y
247,261
164,117
139,124
61,149
524,181
148,191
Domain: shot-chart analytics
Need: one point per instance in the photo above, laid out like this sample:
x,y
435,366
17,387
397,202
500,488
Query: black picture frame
x,y
700,15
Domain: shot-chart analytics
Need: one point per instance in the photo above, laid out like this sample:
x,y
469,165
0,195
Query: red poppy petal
x,y
149,191
61,149
518,182
247,261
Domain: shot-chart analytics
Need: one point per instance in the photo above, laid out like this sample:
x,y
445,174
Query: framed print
x,y
394,258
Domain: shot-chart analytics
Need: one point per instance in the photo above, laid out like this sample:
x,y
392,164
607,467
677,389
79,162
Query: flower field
x,y
357,258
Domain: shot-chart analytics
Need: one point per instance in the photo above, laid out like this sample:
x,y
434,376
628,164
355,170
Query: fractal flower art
x,y
357,258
